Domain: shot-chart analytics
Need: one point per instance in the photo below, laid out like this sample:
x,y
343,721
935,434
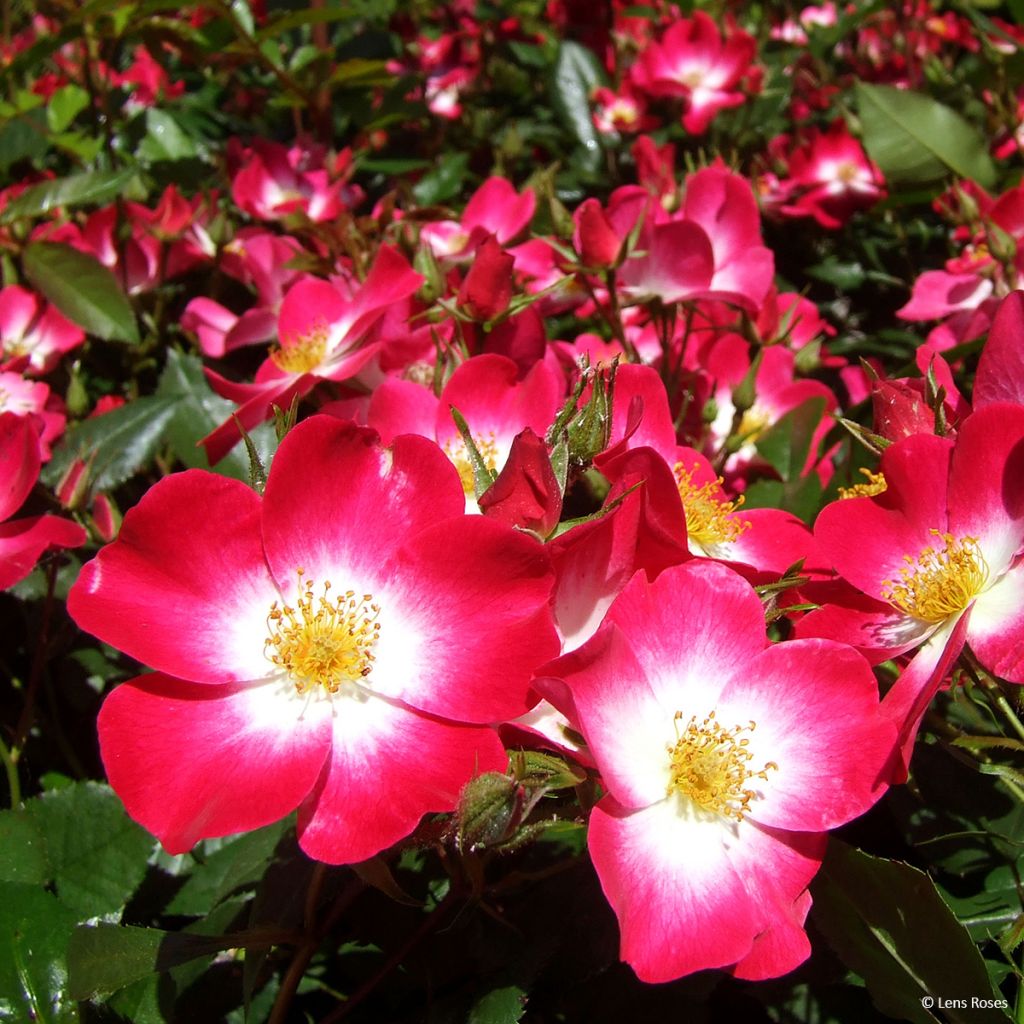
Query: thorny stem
x,y
313,934
939,725
992,691
304,953
38,664
429,924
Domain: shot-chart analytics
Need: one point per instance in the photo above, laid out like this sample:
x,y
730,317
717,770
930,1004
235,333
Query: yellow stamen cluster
x,y
302,354
753,424
14,348
459,455
847,172
710,764
939,583
710,518
875,484
323,641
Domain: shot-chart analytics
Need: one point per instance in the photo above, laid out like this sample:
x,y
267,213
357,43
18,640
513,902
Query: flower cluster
x,y
585,466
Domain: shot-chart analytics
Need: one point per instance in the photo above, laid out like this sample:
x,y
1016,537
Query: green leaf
x,y
501,1006
84,147
238,865
576,74
787,443
847,275
84,290
78,189
445,181
914,138
107,957
64,106
993,908
34,933
357,72
97,853
888,923
197,411
22,849
115,445
23,137
801,497
243,14
165,139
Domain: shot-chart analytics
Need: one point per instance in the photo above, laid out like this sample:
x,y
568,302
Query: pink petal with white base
x,y
191,762
908,699
678,264
867,539
488,392
996,630
682,905
629,733
388,767
986,482
688,658
877,629
936,294
185,587
839,748
402,407
339,505
783,947
468,630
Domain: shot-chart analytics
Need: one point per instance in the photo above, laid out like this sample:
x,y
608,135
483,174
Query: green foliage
x,y
117,445
84,290
914,138
90,188
575,74
103,958
196,411
34,933
887,922
492,914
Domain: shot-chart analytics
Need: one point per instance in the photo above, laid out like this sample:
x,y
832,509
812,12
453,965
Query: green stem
x,y
992,691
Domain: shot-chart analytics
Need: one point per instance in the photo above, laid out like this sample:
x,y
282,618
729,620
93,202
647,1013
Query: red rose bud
x,y
594,238
487,289
526,493
900,409
105,517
